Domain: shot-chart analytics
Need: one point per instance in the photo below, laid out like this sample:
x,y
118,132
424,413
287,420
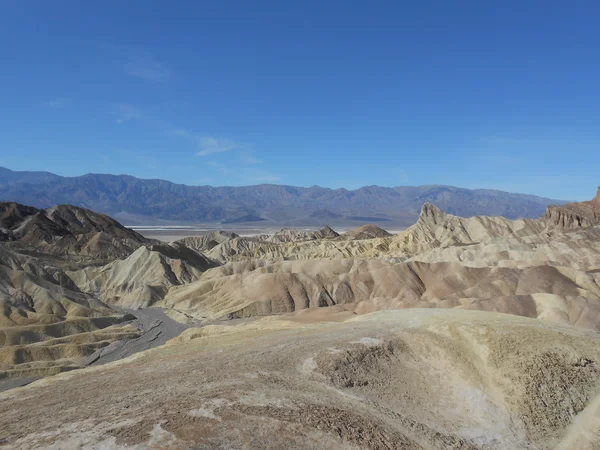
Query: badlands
x,y
465,333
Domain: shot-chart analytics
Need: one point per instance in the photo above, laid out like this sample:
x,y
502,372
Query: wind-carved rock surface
x,y
574,215
290,235
365,232
145,276
46,322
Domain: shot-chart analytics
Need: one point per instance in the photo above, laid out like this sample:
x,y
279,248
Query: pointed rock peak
x,y
328,231
431,215
596,200
429,210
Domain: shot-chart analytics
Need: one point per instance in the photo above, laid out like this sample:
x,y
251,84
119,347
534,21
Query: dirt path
x,y
157,328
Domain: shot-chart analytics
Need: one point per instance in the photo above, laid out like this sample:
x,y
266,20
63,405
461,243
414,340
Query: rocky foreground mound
x,y
410,379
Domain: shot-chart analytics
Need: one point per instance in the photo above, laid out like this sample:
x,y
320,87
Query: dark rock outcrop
x,y
574,215
67,230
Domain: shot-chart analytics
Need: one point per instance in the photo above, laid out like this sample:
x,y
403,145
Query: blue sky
x,y
492,94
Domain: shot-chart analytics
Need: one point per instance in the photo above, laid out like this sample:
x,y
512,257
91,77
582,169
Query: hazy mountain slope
x,y
152,199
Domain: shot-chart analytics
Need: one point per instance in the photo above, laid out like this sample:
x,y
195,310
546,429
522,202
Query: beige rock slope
x,y
410,379
255,288
579,249
241,249
46,323
289,235
435,229
365,232
144,277
208,241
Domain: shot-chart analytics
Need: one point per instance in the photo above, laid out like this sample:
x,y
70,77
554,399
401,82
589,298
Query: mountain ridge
x,y
134,200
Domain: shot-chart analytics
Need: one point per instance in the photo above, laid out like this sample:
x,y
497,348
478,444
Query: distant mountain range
x,y
137,201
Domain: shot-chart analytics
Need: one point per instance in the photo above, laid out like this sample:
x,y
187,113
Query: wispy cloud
x,y
125,113
249,158
144,65
57,103
207,145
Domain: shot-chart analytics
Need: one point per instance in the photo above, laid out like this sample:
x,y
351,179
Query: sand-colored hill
x,y
290,235
46,323
207,242
435,229
244,248
364,232
143,278
579,249
412,379
254,288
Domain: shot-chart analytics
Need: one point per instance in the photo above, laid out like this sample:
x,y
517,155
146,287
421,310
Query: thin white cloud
x,y
144,65
249,158
125,113
209,145
56,103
